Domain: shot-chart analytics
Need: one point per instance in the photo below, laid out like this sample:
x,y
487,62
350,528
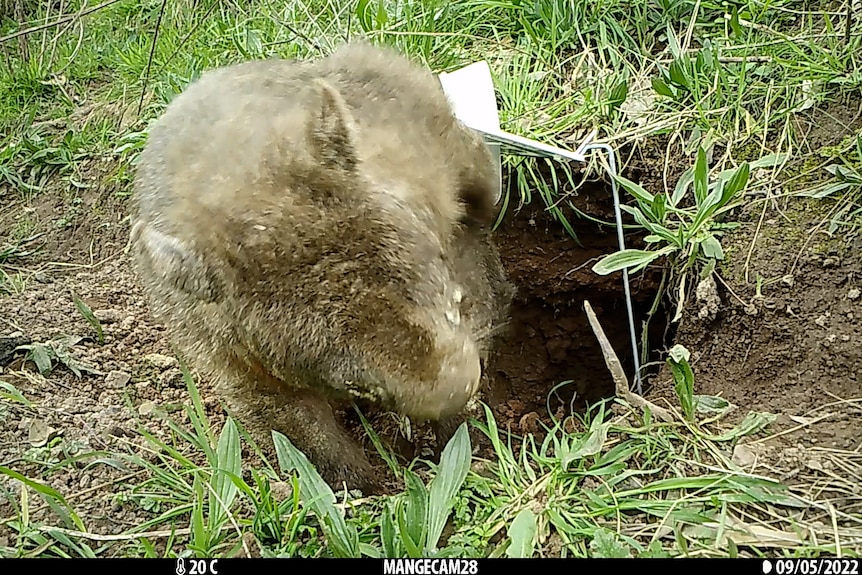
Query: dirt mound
x,y
787,338
793,343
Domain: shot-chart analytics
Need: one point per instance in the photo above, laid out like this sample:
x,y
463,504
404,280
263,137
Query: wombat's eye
x,y
478,201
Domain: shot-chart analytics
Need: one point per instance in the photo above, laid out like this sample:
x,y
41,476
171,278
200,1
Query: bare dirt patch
x,y
123,385
797,344
68,224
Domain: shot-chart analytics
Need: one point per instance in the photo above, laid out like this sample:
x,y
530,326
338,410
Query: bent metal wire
x,y
472,94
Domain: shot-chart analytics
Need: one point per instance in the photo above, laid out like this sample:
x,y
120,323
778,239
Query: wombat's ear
x,y
331,130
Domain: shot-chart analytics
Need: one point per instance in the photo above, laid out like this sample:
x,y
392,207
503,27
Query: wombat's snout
x,y
461,375
457,381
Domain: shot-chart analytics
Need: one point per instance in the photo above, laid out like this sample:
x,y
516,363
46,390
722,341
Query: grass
x,y
714,88
679,69
846,186
613,483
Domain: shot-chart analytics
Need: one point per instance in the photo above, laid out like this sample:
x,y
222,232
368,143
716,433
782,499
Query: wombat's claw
x,y
366,485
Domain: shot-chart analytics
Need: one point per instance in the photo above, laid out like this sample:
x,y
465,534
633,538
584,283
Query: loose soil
x,y
798,353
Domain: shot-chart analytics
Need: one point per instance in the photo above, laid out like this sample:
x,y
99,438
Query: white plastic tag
x,y
471,93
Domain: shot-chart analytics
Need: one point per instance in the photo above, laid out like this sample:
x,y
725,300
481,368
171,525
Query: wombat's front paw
x,y
353,472
443,432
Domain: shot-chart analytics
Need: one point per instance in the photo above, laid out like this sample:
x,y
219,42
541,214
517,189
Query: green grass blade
x,y
200,537
628,258
89,316
701,175
522,533
414,549
198,416
223,489
13,394
643,197
388,536
453,468
316,493
51,496
589,444
416,509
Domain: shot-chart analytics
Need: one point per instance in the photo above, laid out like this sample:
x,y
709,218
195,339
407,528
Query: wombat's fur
x,y
318,230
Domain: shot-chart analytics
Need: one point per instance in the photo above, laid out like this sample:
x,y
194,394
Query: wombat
x,y
316,231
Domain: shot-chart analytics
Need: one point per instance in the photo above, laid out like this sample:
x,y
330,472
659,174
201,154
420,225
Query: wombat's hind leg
x,y
307,420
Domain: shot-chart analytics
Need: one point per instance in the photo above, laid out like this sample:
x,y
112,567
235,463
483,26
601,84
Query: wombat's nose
x,y
458,381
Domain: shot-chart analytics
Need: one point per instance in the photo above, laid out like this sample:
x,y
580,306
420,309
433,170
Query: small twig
x,y
44,37
621,384
8,60
72,496
833,515
298,34
727,59
119,537
150,59
57,22
811,235
75,51
52,265
730,290
230,518
186,38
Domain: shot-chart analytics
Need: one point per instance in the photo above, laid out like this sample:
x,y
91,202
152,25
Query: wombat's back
x,y
408,133
227,135
386,90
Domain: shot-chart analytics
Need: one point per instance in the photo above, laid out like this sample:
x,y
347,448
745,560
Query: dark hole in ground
x,y
550,340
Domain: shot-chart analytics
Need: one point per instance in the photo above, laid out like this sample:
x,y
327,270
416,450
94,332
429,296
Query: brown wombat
x,y
312,231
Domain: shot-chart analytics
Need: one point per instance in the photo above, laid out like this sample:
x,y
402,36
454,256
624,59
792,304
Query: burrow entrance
x,y
549,340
